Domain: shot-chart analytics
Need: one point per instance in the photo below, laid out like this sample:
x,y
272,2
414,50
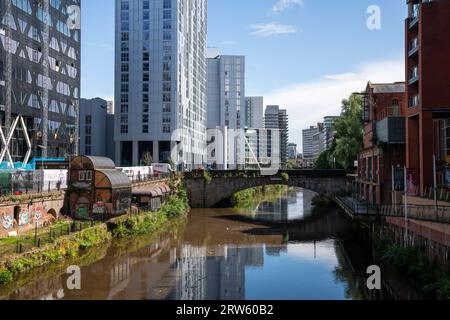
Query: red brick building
x,y
384,141
428,89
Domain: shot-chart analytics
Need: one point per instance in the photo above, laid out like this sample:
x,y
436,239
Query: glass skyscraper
x,y
160,81
39,78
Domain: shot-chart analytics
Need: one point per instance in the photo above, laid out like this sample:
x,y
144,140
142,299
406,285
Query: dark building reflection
x,y
215,274
296,204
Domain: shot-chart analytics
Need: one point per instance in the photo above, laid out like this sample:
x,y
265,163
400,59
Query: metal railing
x,y
300,173
42,237
149,177
439,214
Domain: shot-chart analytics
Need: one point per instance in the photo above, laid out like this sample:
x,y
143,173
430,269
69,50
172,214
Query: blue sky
x,y
305,55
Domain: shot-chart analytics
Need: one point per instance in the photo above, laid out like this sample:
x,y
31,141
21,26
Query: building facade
x,y
262,148
384,144
226,91
308,145
428,96
39,78
318,139
276,118
254,112
329,133
96,129
160,81
292,151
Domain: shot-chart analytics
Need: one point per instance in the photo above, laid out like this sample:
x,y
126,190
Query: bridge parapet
x,y
222,185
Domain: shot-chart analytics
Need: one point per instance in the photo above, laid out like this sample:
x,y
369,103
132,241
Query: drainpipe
x,y
406,206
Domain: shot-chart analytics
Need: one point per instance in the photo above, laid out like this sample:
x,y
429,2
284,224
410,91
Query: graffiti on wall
x,y
7,222
24,217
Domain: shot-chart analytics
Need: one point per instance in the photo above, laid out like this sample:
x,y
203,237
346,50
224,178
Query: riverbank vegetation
x,y
413,263
72,246
66,247
250,198
321,201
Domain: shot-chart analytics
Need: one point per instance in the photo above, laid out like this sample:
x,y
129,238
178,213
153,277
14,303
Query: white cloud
x,y
282,5
308,102
272,29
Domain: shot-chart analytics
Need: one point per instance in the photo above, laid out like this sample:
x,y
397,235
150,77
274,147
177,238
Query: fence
x,y
26,182
149,177
426,213
41,238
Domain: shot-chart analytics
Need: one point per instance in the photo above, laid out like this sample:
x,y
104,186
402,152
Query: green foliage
x,y
320,201
349,131
324,160
207,177
413,263
291,164
67,247
250,198
285,177
149,222
410,261
5,276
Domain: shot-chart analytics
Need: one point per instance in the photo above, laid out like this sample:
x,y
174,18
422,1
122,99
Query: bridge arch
x,y
223,185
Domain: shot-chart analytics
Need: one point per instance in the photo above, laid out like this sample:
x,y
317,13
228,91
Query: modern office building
x,y
262,148
254,112
225,109
384,143
39,78
226,91
96,128
276,118
292,151
318,139
329,133
308,145
160,81
428,96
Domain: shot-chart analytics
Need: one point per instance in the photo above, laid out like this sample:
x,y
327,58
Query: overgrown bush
x,y
5,276
285,177
62,248
150,222
207,177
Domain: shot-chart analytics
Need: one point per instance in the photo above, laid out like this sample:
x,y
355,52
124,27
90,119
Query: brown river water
x,y
287,249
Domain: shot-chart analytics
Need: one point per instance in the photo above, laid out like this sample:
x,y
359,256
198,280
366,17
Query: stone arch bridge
x,y
224,184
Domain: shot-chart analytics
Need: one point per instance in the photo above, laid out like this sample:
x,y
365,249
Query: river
x,y
286,249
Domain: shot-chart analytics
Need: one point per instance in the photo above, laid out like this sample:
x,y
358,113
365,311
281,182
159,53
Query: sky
x,y
304,55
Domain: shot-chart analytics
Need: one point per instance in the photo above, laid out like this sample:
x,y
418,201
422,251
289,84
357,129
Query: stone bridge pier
x,y
224,185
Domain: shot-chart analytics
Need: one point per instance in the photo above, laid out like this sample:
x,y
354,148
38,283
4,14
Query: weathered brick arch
x,y
206,195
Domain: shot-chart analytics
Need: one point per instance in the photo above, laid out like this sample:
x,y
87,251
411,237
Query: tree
x,y
349,132
292,164
324,160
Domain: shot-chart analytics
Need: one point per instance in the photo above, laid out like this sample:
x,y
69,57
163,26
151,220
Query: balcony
x,y
413,47
414,75
391,130
414,101
414,16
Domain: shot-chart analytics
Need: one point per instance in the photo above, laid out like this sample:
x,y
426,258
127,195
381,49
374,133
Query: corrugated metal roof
x,y
397,87
98,163
117,178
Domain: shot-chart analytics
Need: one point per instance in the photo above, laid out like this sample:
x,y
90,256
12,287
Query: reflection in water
x,y
292,206
225,254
